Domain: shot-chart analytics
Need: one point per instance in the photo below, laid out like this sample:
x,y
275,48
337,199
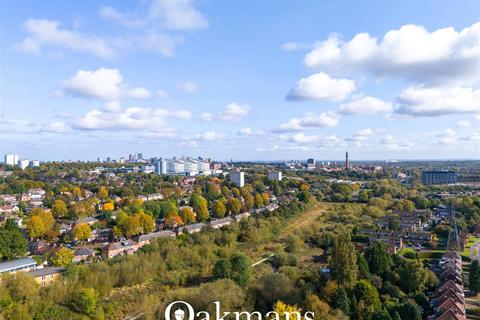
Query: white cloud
x,y
162,94
361,135
112,106
102,84
177,15
446,137
410,52
111,14
207,116
42,32
56,127
464,124
320,86
249,132
188,86
152,121
365,105
233,112
310,120
424,101
294,46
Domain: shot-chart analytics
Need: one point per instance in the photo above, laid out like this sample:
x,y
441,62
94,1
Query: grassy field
x,y
471,240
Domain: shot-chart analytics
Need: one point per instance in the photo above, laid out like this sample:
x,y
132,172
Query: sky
x,y
241,80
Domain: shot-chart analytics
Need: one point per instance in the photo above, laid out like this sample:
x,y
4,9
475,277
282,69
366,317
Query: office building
x,y
275,175
11,159
439,177
139,156
160,167
311,164
238,178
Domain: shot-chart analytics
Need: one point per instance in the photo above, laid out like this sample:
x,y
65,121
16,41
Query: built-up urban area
x,y
350,239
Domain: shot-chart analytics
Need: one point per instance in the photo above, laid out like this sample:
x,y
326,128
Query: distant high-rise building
x,y
238,178
311,164
139,156
109,159
11,159
347,164
23,163
439,177
34,163
160,166
131,157
99,159
275,175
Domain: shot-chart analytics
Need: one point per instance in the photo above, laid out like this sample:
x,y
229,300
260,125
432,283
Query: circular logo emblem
x,y
179,314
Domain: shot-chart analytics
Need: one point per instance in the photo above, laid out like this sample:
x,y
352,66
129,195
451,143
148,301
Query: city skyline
x,y
234,81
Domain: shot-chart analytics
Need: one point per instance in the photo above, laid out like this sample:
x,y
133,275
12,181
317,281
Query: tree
x,y
219,209
147,223
222,269
293,243
187,215
248,201
412,274
379,261
367,297
131,227
344,260
363,270
85,300
234,205
474,277
59,208
108,206
286,311
36,227
82,232
340,300
258,200
409,311
241,269
200,206
320,308
62,258
77,192
102,193
12,242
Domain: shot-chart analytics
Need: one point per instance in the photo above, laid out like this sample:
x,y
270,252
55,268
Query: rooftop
x,y
15,264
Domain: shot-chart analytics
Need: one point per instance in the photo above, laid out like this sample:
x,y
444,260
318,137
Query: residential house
x,y
192,228
82,254
218,223
23,264
47,276
120,248
147,238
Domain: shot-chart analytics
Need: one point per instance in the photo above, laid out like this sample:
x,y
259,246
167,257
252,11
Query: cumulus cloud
x,y
104,84
249,132
310,120
42,32
446,137
421,101
464,124
188,86
411,52
177,14
365,105
56,127
320,86
233,112
152,121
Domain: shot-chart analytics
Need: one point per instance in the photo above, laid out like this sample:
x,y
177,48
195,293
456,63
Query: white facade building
x,y
238,178
35,163
23,163
275,175
11,159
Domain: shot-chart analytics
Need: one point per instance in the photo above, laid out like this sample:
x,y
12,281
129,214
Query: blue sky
x,y
248,80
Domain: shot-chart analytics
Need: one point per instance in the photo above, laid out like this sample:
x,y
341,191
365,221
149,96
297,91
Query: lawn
x,y
471,240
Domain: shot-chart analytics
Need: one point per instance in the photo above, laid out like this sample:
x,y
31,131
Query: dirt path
x,y
306,218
